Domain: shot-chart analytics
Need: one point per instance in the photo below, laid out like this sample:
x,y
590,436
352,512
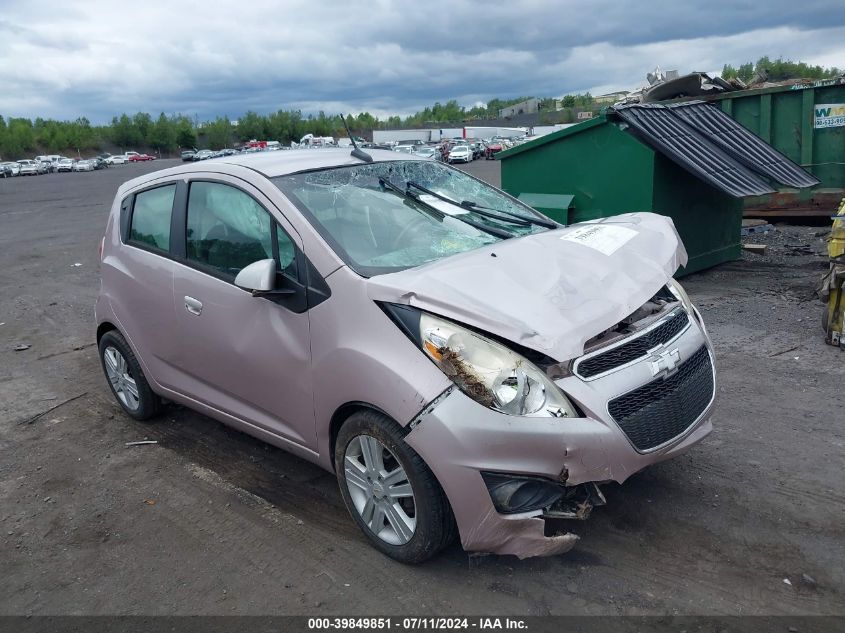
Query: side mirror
x,y
258,277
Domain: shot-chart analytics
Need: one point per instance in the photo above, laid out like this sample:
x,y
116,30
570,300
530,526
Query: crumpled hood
x,y
552,291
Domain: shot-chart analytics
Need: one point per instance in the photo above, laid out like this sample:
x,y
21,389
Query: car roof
x,y
272,164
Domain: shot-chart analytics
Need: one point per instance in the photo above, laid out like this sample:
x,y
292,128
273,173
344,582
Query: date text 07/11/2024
x,y
415,624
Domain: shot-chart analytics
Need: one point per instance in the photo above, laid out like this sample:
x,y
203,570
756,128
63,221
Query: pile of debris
x,y
785,244
667,85
663,85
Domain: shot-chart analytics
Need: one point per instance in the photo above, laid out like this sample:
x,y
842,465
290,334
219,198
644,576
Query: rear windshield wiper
x,y
480,210
491,230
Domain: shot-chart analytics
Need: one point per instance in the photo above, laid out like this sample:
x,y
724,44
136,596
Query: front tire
x,y
390,492
126,379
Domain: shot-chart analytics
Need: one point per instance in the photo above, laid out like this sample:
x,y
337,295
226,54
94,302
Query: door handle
x,y
192,305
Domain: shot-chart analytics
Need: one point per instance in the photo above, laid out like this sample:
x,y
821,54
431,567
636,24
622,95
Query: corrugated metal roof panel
x,y
660,128
742,144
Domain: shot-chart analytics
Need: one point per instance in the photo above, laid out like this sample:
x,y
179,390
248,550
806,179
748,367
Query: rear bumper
x,y
458,438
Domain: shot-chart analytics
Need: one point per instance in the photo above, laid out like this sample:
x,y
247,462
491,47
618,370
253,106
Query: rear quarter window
x,y
150,224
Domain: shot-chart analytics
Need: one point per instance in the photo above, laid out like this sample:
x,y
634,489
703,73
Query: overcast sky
x,y
96,59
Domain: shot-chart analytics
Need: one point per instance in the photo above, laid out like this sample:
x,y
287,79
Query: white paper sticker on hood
x,y
605,238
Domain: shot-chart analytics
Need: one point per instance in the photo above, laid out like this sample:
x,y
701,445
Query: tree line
x,y
20,136
165,134
778,70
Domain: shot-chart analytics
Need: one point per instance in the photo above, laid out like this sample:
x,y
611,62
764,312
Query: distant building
x,y
611,97
523,107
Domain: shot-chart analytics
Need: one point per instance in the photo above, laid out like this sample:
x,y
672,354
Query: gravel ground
x,y
210,521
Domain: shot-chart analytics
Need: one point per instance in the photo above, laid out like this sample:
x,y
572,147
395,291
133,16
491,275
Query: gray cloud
x,y
98,59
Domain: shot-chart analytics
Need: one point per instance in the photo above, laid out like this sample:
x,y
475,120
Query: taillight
x,y
102,247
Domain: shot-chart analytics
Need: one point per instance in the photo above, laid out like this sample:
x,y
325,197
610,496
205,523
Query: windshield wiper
x,y
479,209
436,213
491,230
474,208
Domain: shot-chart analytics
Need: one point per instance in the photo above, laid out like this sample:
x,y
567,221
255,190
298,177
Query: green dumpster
x,y
609,172
802,121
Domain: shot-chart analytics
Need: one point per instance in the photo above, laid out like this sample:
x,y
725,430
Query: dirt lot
x,y
210,521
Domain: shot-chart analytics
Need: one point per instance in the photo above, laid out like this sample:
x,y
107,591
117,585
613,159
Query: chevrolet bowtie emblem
x,y
664,362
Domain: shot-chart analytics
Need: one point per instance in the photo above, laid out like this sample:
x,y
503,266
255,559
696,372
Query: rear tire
x,y
125,377
397,490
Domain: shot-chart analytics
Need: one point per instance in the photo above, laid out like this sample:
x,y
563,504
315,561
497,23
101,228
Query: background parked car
x,y
6,170
203,154
119,159
28,167
53,160
137,158
83,165
425,152
64,164
460,154
188,154
490,149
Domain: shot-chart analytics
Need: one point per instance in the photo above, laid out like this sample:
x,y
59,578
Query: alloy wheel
x,y
380,489
120,377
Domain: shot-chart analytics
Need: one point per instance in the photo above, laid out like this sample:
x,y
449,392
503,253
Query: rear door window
x,y
151,217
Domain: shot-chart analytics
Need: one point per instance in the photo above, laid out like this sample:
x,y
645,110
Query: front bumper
x,y
458,438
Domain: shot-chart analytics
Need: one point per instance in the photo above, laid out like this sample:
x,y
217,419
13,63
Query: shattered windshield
x,y
378,224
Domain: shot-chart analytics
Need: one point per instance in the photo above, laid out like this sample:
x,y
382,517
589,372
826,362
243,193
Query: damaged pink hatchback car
x,y
465,365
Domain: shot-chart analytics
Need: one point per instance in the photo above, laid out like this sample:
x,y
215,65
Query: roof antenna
x,y
356,153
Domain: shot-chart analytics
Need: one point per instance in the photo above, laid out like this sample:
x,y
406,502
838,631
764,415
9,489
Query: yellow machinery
x,y
833,286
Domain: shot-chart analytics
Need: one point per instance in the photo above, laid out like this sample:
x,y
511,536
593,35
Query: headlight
x,y
680,294
489,372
